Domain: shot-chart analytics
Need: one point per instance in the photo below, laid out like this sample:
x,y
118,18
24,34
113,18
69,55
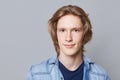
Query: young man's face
x,y
69,34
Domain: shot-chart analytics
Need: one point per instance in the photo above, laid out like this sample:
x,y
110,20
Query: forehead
x,y
69,21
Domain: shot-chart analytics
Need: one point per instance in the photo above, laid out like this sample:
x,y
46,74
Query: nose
x,y
68,37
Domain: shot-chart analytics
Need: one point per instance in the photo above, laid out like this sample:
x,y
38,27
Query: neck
x,y
71,62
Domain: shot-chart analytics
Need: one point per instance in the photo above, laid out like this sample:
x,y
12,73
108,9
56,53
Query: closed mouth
x,y
69,45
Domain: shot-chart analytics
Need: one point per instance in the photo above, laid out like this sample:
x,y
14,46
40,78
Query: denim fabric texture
x,y
49,70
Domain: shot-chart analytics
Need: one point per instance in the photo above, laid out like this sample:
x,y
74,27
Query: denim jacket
x,y
48,70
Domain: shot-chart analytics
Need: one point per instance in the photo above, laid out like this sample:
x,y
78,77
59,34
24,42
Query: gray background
x,y
24,37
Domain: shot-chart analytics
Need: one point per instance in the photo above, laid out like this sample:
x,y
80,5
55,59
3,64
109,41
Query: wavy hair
x,y
72,10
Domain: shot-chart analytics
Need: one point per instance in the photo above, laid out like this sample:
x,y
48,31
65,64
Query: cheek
x,y
78,43
60,38
78,38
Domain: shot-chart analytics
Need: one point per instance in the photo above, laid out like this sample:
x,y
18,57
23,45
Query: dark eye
x,y
76,30
62,30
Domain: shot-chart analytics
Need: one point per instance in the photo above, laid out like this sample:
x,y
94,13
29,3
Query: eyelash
x,y
62,30
75,30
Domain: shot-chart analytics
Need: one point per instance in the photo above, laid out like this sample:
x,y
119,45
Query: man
x,y
70,29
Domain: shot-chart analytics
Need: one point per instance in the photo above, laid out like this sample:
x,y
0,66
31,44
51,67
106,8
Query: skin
x,y
70,36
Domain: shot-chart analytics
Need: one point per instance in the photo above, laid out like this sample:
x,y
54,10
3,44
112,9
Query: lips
x,y
69,45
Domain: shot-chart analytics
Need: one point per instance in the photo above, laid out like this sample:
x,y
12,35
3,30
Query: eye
x,y
76,30
61,30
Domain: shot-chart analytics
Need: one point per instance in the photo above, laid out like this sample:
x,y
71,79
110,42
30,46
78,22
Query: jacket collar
x,y
87,61
87,65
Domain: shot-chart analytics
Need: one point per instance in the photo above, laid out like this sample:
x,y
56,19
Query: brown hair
x,y
73,10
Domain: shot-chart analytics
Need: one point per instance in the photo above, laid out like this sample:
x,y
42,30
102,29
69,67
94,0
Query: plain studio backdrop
x,y
24,37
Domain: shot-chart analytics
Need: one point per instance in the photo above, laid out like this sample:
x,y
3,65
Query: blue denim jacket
x,y
48,70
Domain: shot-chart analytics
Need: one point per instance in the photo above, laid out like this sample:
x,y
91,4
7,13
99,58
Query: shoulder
x,y
97,69
94,68
43,67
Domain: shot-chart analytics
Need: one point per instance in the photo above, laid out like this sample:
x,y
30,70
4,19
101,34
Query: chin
x,y
70,53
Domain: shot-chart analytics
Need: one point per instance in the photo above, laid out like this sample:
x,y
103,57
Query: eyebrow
x,y
71,28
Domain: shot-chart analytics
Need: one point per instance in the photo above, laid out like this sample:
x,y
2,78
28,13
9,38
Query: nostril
x,y
68,38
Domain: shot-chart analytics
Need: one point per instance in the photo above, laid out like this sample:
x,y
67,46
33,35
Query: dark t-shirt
x,y
72,75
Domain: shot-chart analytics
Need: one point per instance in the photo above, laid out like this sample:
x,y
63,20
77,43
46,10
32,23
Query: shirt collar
x,y
87,61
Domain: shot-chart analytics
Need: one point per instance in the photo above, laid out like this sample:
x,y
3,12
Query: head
x,y
78,13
